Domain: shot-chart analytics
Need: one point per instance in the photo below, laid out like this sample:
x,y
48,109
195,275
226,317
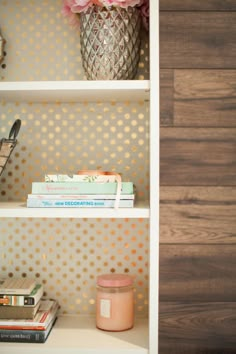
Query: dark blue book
x,y
25,335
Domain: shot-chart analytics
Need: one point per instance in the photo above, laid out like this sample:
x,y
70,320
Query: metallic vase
x,y
110,42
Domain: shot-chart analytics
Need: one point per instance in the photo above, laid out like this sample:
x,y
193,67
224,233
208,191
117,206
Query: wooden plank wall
x,y
198,177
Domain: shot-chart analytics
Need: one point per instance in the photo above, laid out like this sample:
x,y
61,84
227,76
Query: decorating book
x,y
18,312
76,203
18,286
46,313
26,335
23,300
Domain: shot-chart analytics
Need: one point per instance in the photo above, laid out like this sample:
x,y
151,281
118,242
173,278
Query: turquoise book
x,y
80,188
76,203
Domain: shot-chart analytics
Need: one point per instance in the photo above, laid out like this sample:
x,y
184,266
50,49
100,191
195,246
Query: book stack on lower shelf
x,y
24,315
81,191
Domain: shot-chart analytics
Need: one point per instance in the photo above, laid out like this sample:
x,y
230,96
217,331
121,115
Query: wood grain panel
x,y
198,156
197,40
198,215
205,98
166,96
200,5
197,273
197,328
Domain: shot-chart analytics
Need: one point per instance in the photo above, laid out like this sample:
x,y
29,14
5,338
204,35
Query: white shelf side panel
x,y
154,178
78,335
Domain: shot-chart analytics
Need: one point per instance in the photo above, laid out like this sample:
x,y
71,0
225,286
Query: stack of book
x,y
80,191
24,315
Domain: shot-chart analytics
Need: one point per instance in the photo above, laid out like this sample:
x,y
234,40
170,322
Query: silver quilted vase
x,y
110,42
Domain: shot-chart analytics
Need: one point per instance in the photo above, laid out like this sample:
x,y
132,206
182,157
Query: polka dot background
x,y
41,45
67,255
65,138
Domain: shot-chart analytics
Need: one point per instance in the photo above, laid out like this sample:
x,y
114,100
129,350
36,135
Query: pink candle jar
x,y
115,302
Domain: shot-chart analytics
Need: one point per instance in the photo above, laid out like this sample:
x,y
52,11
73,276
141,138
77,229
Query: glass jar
x,y
115,302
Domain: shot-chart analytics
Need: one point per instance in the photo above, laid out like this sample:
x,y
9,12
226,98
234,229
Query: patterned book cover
x,y
99,178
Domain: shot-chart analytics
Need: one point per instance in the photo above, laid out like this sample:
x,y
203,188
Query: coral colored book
x,y
26,335
45,314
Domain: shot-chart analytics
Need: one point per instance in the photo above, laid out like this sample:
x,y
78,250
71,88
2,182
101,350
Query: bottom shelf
x,y
78,335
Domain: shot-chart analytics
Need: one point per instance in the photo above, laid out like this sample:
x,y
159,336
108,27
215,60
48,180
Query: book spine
x,y
80,188
75,203
79,196
21,300
22,336
16,300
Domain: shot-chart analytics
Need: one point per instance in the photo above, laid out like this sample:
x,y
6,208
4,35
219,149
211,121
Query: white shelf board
x,y
78,335
74,91
19,209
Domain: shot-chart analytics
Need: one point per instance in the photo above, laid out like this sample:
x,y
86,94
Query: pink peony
x,y
144,8
71,8
81,5
66,11
121,3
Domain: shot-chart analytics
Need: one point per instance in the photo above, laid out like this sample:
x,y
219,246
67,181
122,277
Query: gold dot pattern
x,y
65,138
66,255
41,45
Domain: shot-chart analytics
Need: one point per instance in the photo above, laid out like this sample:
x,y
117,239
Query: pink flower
x,y
121,3
71,8
66,11
81,5
144,8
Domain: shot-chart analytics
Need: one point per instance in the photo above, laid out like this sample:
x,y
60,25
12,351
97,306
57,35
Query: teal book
x,y
76,203
80,188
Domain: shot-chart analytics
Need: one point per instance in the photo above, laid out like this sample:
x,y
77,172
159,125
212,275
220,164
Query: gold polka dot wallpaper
x,y
66,255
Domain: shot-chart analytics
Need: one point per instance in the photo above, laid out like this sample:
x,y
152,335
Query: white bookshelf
x,y
78,334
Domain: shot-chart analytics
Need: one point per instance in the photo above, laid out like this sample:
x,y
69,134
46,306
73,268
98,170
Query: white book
x,y
76,203
18,286
80,196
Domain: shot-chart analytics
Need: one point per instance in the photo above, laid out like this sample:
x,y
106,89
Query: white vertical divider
x,y
154,178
